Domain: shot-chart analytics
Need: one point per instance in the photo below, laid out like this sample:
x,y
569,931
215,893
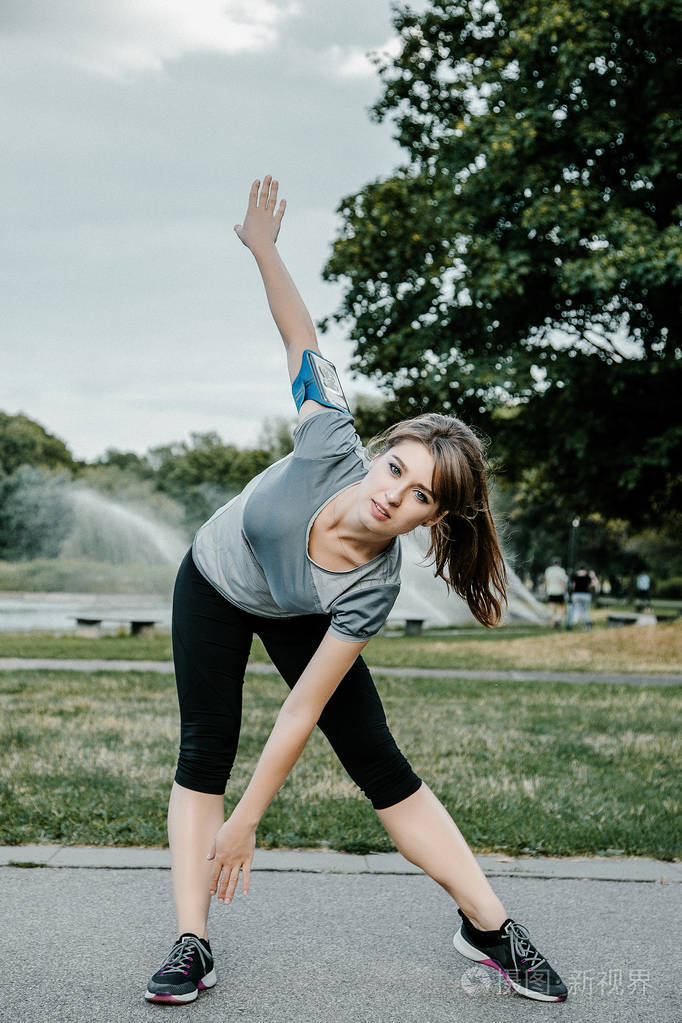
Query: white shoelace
x,y
182,953
526,956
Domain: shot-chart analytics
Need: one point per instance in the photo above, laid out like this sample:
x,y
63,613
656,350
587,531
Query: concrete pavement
x,y
334,938
520,675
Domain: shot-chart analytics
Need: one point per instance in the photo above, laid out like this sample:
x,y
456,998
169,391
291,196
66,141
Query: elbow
x,y
298,714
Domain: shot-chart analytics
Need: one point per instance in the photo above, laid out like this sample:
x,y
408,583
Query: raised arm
x,y
259,233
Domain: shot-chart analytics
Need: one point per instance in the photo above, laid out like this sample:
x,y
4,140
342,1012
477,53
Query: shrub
x,y
670,589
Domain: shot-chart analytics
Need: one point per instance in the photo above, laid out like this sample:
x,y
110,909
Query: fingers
x,y
280,212
253,194
272,198
268,193
228,884
265,190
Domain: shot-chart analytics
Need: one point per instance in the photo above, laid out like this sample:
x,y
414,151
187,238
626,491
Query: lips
x,y
380,511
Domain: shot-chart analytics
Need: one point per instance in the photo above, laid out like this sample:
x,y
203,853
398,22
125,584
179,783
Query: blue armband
x,y
318,380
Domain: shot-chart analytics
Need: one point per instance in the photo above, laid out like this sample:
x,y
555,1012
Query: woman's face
x,y
397,495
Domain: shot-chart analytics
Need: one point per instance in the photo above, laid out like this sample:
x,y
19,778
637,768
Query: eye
x,y
395,467
421,496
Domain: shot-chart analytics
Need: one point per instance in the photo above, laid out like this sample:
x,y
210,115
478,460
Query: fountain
x,y
115,562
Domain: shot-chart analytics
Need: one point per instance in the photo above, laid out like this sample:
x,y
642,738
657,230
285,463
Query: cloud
x,y
355,62
140,35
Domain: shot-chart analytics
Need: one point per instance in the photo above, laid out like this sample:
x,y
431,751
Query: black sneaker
x,y
187,971
512,953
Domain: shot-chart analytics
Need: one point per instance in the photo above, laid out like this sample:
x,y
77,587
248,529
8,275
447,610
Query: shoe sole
x,y
470,952
209,981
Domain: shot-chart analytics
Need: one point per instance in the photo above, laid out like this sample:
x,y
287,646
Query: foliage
x,y
125,462
204,473
25,442
528,255
670,589
35,515
277,436
659,553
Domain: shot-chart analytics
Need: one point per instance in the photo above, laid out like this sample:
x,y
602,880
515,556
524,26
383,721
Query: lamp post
x,y
570,567
572,544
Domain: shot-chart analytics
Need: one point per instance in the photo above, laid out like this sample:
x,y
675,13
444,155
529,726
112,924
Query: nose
x,y
393,497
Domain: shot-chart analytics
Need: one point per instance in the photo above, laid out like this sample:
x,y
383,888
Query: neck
x,y
351,532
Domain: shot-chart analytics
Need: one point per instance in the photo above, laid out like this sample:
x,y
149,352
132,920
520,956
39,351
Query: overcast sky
x,y
131,314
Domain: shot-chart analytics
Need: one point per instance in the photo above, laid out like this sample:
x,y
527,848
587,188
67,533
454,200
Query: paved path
x,y
324,937
315,861
166,667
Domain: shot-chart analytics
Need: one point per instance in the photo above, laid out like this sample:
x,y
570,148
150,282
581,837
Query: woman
x,y
308,557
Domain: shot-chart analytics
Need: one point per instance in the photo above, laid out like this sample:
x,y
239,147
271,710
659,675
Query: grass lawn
x,y
656,648
530,767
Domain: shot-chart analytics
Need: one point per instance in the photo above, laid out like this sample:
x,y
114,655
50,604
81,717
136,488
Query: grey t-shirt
x,y
254,550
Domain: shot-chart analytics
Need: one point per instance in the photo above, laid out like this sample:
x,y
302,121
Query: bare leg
x,y
425,833
193,821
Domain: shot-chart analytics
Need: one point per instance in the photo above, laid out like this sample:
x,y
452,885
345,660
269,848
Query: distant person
x,y
581,598
643,589
308,558
556,588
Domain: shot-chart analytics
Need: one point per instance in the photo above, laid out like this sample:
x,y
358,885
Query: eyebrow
x,y
404,468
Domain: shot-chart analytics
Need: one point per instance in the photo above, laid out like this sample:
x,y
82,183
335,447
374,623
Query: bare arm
x,y
298,716
259,233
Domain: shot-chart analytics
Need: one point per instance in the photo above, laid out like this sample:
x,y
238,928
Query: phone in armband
x,y
318,380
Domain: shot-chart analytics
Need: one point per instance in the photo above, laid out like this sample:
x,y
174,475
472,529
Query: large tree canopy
x,y
526,263
25,442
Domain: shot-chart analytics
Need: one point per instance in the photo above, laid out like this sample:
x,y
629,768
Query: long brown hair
x,y
464,542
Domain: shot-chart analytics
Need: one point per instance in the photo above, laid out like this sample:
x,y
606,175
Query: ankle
x,y
490,920
197,934
487,925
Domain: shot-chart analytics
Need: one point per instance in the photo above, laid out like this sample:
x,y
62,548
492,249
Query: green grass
x,y
531,767
633,649
81,575
155,647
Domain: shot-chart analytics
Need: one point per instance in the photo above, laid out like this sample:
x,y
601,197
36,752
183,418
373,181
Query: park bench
x,y
618,619
92,626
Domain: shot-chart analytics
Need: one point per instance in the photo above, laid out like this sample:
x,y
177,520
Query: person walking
x,y
581,597
643,585
556,589
308,558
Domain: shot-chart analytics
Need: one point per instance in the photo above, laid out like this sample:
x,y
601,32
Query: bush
x,y
670,589
35,515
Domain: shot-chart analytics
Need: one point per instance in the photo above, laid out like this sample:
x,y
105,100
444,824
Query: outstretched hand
x,y
263,216
232,852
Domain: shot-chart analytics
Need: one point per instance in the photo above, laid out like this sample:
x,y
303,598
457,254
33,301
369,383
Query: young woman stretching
x,y
308,558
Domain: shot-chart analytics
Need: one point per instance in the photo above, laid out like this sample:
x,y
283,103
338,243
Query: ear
x,y
436,518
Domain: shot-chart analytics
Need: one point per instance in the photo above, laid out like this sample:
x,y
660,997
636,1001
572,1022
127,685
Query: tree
x,y
35,514
523,269
205,473
25,442
125,461
277,436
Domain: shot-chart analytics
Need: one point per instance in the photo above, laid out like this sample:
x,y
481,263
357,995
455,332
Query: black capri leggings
x,y
211,644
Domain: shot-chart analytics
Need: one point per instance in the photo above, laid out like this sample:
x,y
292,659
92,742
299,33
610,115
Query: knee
x,y
387,778
203,771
